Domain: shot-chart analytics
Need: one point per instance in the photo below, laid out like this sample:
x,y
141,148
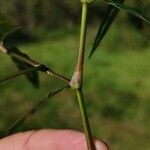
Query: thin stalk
x,y
16,74
80,61
32,110
58,76
85,121
76,81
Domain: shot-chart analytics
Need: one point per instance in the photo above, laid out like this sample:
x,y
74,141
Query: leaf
x,y
32,110
110,15
16,74
128,9
24,62
7,29
9,33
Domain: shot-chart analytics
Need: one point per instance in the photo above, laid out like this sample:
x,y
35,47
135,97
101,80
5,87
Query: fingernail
x,y
100,145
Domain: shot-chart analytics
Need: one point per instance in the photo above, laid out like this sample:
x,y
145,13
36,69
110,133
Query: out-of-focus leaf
x,y
6,35
24,62
32,110
128,9
16,74
110,15
6,27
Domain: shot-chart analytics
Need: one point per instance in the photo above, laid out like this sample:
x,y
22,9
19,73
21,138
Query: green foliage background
x,y
117,78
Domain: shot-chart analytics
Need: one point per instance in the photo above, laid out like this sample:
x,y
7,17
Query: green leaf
x,y
32,110
6,28
9,33
24,62
109,17
128,9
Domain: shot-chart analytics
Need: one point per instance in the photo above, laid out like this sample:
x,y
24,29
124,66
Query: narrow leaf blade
x,y
110,15
22,62
129,10
6,35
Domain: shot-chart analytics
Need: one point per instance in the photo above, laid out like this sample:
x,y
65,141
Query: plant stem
x,y
16,74
80,61
85,121
76,81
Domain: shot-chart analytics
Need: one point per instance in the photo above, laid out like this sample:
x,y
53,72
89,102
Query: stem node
x,y
77,78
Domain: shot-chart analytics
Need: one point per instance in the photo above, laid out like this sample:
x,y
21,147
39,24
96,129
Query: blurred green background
x,y
117,78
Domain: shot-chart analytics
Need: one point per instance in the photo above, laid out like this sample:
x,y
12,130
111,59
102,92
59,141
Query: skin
x,y
48,140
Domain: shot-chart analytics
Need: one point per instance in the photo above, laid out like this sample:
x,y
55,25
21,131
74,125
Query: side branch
x,y
14,52
32,110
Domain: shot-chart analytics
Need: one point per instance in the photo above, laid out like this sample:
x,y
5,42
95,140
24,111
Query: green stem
x,y
85,121
76,81
80,61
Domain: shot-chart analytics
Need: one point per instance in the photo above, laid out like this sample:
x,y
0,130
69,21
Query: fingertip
x,y
49,139
100,145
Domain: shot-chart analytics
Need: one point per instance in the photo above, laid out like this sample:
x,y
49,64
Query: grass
x,y
116,87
